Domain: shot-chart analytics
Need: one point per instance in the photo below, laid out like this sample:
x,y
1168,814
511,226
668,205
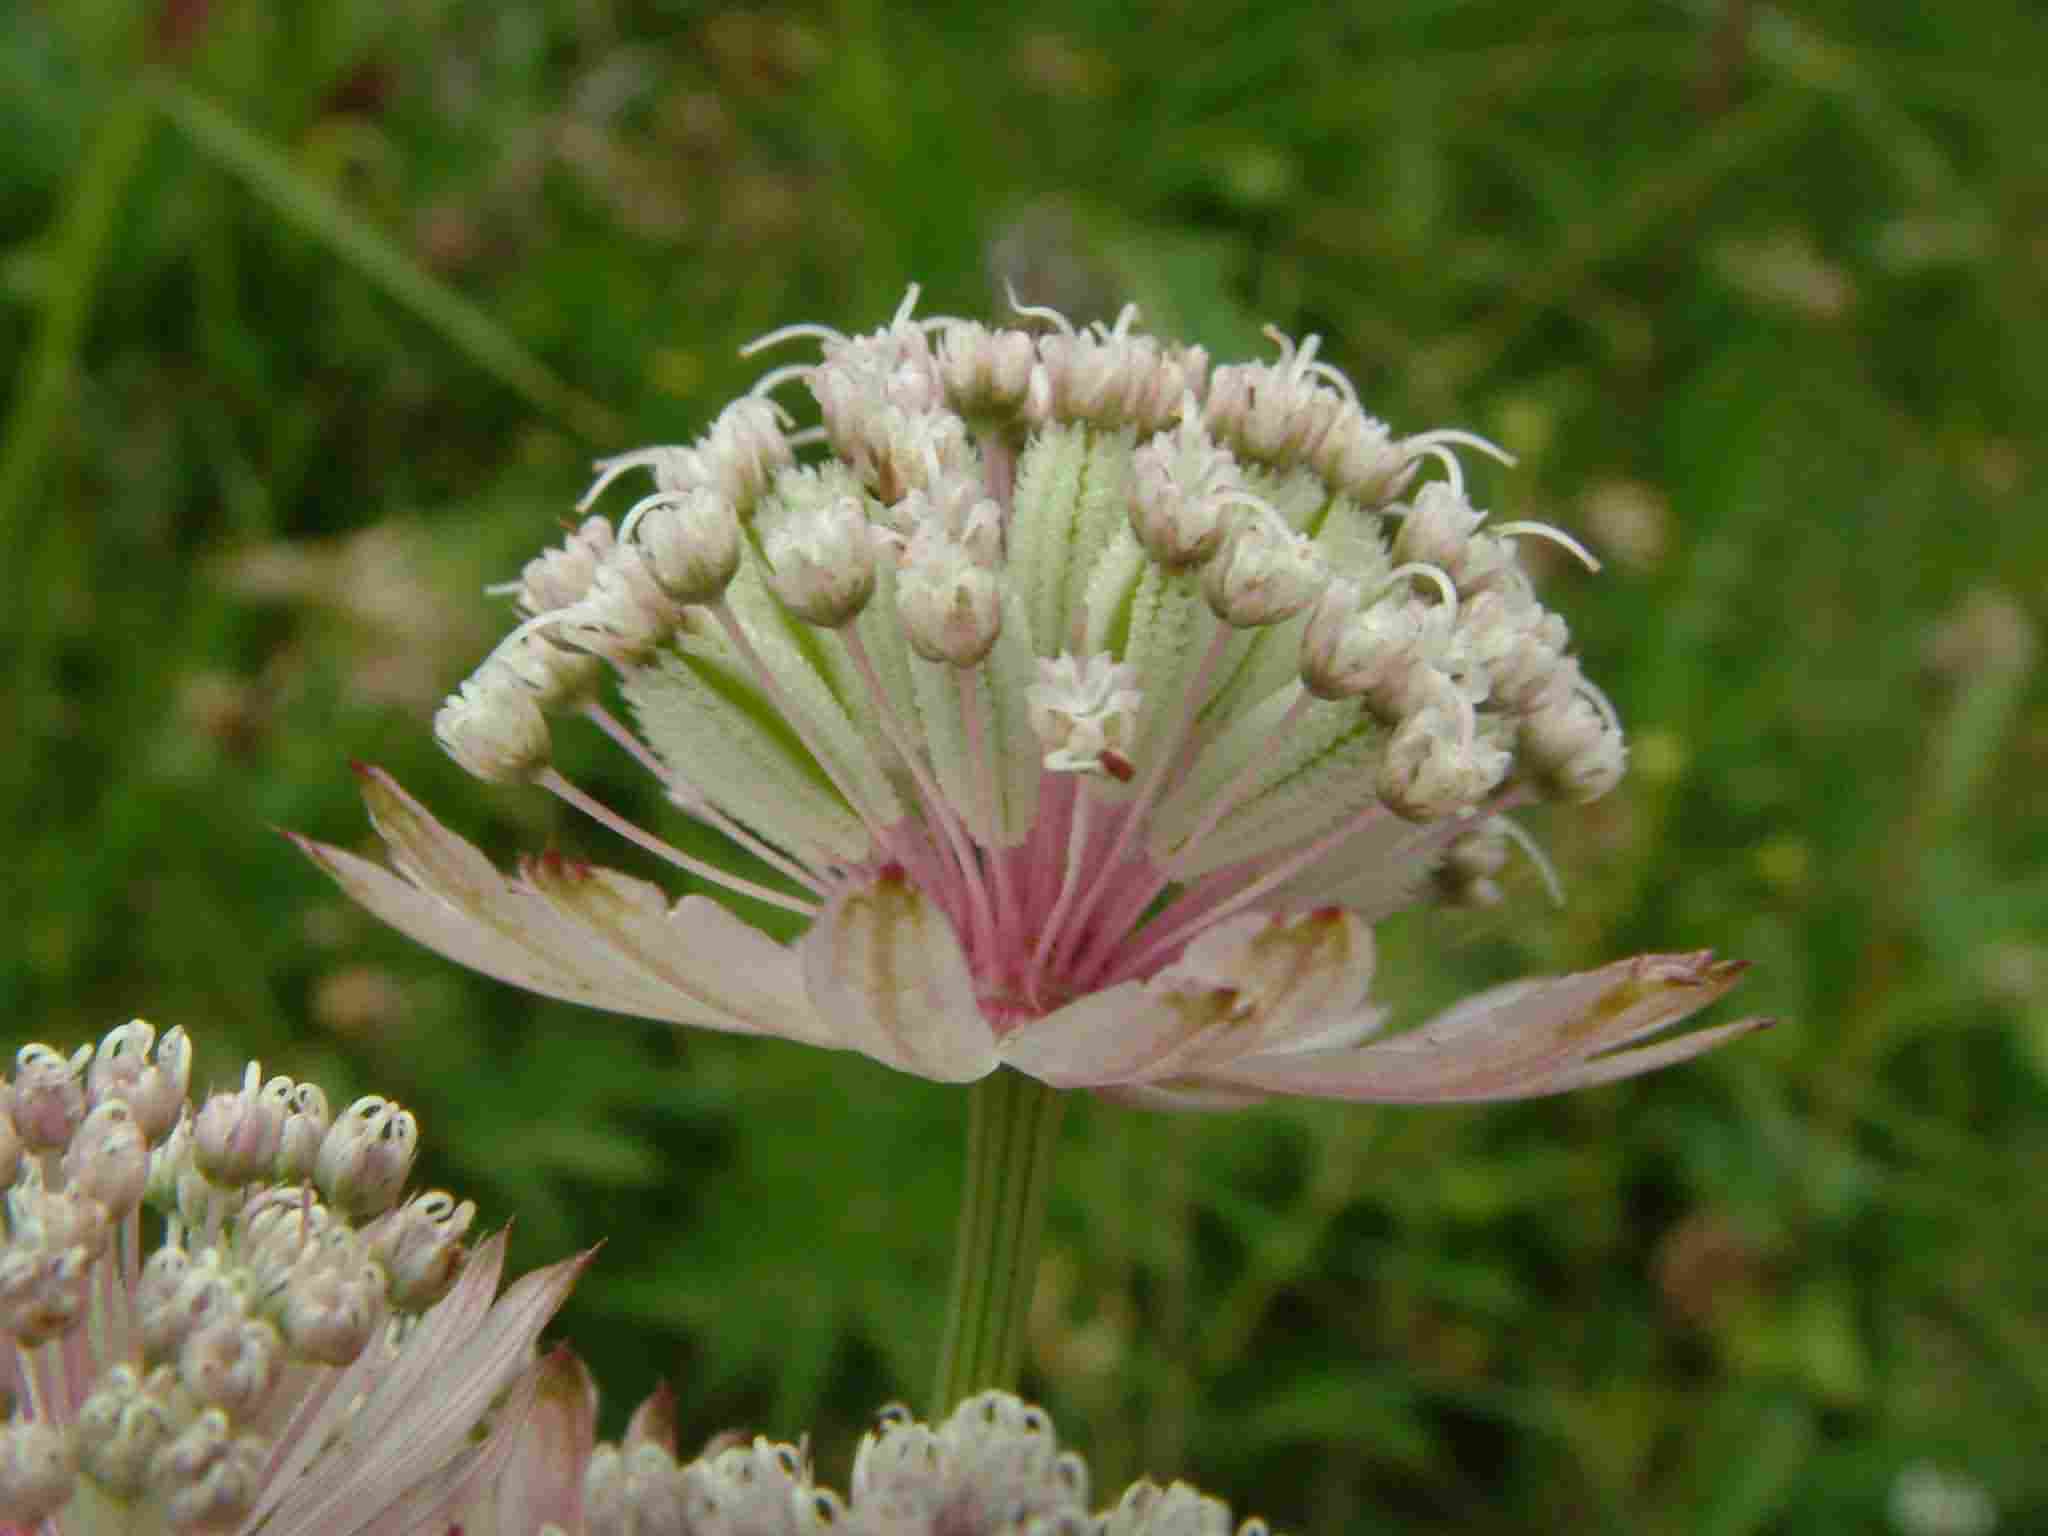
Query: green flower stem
x,y
1013,1128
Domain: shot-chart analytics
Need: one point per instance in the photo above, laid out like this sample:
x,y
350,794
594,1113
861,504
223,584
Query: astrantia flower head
x,y
231,1318
993,1467
1090,704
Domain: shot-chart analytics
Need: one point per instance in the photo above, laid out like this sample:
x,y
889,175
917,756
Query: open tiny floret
x,y
1054,673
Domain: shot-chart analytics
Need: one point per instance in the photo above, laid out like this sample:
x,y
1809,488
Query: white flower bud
x,y
560,576
122,1426
54,1219
235,1136
742,1490
420,1247
42,1291
558,676
1574,747
1184,484
1359,457
1437,764
331,1307
985,372
230,1363
108,1160
821,560
174,1297
1146,1509
1264,573
1386,653
493,728
1084,713
366,1157
1437,529
691,544
305,1127
49,1095
743,452
950,602
37,1473
637,1491
208,1477
122,1068
625,616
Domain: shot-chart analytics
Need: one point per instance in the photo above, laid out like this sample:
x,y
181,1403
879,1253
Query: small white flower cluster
x,y
984,477
216,1317
994,1467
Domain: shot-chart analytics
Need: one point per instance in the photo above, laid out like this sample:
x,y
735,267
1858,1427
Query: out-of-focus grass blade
x,y
271,176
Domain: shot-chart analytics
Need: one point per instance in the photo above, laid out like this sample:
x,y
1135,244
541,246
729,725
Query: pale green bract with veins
x,y
1090,703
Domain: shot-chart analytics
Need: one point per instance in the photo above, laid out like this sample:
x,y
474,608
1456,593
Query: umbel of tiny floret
x,y
1090,703
993,1468
231,1317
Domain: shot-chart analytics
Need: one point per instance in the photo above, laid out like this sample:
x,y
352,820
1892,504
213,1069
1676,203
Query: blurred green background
x,y
312,316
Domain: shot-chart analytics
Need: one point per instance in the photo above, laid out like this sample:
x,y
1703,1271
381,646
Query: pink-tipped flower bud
x,y
1437,763
231,1363
175,1297
207,1478
1574,748
691,544
744,451
1184,484
1437,529
560,576
950,602
49,1095
37,1472
1264,573
42,1291
420,1247
494,729
155,1088
108,1160
366,1157
306,1123
123,1425
331,1307
235,1136
821,560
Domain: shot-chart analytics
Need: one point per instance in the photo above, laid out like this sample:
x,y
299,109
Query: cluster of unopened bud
x,y
151,1366
1432,626
993,1467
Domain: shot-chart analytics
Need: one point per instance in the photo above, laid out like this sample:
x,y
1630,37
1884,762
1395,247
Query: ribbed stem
x,y
1013,1127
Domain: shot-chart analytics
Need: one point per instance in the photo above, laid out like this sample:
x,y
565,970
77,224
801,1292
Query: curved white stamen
x,y
807,437
1515,834
908,307
505,588
1425,440
1529,528
641,508
931,323
1435,576
1454,472
1038,311
610,469
605,816
775,378
823,334
1335,377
